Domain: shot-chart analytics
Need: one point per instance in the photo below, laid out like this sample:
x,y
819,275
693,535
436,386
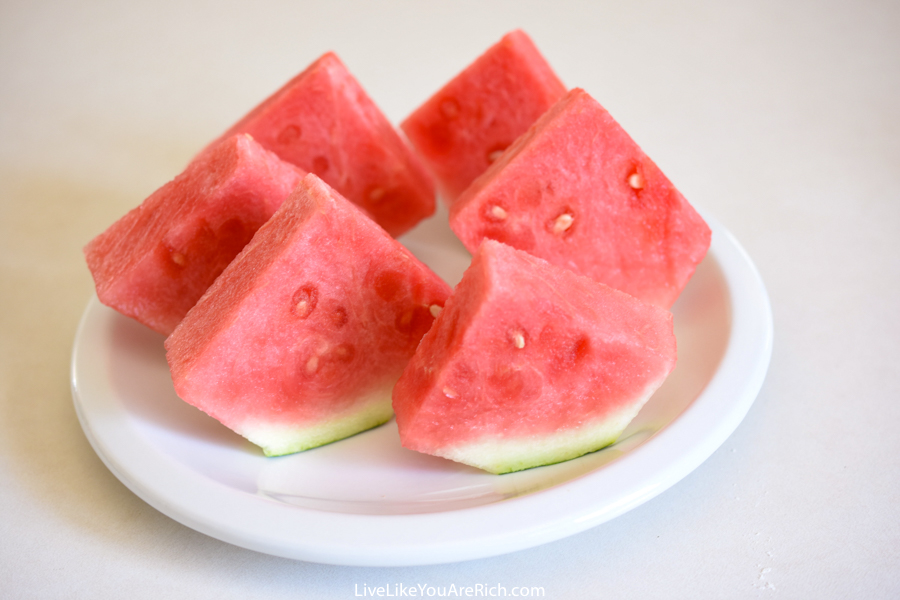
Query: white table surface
x,y
782,119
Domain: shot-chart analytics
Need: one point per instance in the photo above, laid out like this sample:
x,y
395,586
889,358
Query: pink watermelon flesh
x,y
577,191
325,123
530,364
300,340
471,120
156,261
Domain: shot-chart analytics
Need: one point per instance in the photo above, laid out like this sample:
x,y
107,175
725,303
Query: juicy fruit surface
x,y
300,340
530,364
325,123
577,191
473,118
158,260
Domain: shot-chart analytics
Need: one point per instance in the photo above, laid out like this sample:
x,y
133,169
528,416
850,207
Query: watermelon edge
x,y
369,410
502,456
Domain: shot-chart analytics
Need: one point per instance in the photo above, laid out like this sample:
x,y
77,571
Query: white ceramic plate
x,y
368,501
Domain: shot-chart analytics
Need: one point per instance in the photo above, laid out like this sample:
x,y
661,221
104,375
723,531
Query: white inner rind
x,y
276,439
507,455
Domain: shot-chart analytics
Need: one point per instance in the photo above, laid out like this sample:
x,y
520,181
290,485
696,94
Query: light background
x,y
782,119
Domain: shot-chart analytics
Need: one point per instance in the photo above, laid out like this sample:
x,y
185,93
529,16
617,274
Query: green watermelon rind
x,y
278,439
500,456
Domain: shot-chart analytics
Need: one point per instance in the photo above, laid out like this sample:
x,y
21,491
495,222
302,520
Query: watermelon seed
x,y
339,317
289,135
179,259
305,299
562,223
435,310
320,165
312,364
344,352
450,108
518,339
388,285
636,181
450,393
498,213
492,156
376,194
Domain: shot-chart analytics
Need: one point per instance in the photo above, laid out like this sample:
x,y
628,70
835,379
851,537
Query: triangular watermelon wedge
x,y
530,364
470,121
577,191
155,262
324,122
300,340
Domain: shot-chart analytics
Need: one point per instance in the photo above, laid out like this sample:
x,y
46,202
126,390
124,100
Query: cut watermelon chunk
x,y
530,364
300,340
471,120
325,123
577,191
154,263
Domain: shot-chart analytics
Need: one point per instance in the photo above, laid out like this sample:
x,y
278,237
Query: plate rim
x,y
462,534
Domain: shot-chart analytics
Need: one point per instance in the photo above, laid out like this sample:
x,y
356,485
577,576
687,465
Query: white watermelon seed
x,y
492,156
450,108
312,364
179,259
435,310
518,339
636,181
302,309
562,223
376,194
450,393
304,300
498,213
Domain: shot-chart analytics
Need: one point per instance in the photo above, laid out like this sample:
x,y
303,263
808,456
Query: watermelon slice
x,y
577,191
530,364
468,123
325,123
300,340
154,263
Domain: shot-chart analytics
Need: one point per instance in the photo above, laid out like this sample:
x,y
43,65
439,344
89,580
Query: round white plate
x,y
368,501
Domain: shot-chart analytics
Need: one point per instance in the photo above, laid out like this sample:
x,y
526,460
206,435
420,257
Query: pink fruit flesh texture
x,y
156,261
319,280
473,118
325,123
577,191
524,349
